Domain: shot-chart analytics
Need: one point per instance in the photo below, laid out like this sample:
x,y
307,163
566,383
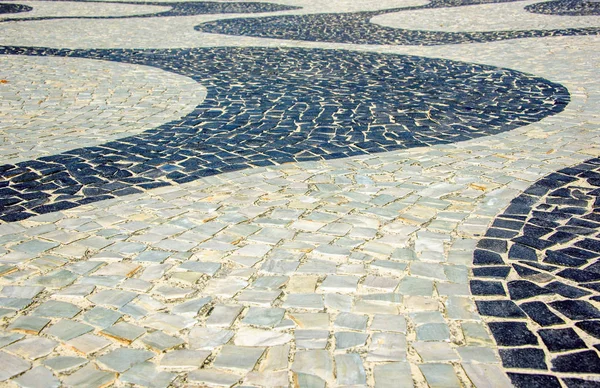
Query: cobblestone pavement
x,y
404,194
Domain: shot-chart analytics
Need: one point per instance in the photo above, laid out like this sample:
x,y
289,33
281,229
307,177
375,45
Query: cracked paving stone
x,y
90,377
147,375
123,332
38,377
238,357
349,370
65,329
7,339
12,366
62,364
121,359
184,359
223,316
32,348
28,324
201,338
191,308
88,343
314,362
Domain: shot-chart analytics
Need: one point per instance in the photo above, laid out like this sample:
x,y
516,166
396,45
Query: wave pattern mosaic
x,y
537,276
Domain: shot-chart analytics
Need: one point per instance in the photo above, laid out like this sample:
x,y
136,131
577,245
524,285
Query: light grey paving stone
x,y
349,370
57,279
12,366
304,301
85,267
308,381
88,343
103,281
154,272
478,354
276,358
153,256
208,338
387,347
15,303
340,284
56,309
9,338
373,307
32,348
38,377
338,302
138,285
266,379
415,286
486,376
121,359
476,334
239,358
461,308
160,341
457,273
28,324
34,247
263,317
433,332
123,332
191,308
172,293
284,267
349,339
311,339
311,320
213,377
351,321
435,351
258,297
423,317
112,298
317,267
147,375
314,362
26,292
6,312
386,322
393,375
223,315
90,377
391,267
169,323
428,270
184,359
101,317
62,364
204,267
270,282
123,269
388,298
248,336
452,289
75,291
440,375
224,288
66,329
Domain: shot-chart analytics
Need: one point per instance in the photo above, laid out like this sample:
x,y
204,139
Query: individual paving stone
x,y
147,375
112,298
101,317
314,362
380,283
255,337
160,341
541,314
121,359
576,309
65,329
337,302
433,332
89,377
435,351
153,256
341,284
393,375
171,293
428,270
522,289
63,364
7,339
440,375
478,354
523,358
257,297
351,321
276,359
263,317
184,359
123,332
485,375
32,348
393,323
125,269
533,380
304,301
415,286
170,323
213,377
29,325
26,292
192,307
512,334
88,343
57,279
558,340
223,316
238,357
12,366
224,288
348,339
499,308
387,347
311,339
311,320
38,377
590,327
75,291
579,362
349,370
479,287
201,338
270,282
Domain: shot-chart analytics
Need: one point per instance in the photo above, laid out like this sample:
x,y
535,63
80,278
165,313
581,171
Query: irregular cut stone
x,y
38,377
184,359
208,337
314,362
349,370
238,357
90,377
122,359
11,366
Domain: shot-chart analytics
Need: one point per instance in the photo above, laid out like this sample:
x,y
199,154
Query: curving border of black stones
x,y
536,279
177,9
566,8
356,28
13,8
267,106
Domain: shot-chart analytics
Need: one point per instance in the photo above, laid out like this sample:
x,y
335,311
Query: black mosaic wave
x,y
537,273
13,8
177,9
356,28
271,106
566,8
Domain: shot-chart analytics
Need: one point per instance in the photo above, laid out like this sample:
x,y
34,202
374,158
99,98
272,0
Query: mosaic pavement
x,y
296,193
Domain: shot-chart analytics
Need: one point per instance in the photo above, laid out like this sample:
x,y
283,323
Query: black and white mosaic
x,y
13,8
566,8
177,9
537,275
271,106
356,28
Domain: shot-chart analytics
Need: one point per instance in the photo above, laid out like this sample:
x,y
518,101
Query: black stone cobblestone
x,y
566,8
13,8
270,106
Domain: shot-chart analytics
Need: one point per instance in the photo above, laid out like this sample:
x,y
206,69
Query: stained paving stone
x,y
123,331
387,347
160,341
318,363
9,338
351,321
28,324
349,370
311,339
238,357
223,316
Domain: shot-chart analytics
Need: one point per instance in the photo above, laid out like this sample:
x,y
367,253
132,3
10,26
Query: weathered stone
x,y
11,366
122,359
349,370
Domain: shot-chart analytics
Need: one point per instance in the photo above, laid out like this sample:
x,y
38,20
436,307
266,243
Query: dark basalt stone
x,y
479,287
576,309
590,327
522,289
580,383
541,314
523,358
512,334
566,8
521,380
499,308
559,340
580,362
13,8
